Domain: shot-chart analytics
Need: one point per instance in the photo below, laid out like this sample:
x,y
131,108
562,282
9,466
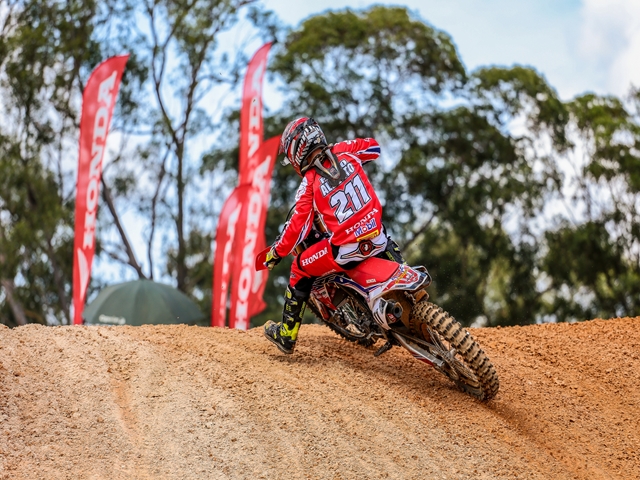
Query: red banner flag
x,y
225,254
270,148
251,127
98,101
251,132
248,287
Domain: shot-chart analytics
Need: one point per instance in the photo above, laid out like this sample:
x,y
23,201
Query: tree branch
x,y
154,205
416,234
115,256
106,194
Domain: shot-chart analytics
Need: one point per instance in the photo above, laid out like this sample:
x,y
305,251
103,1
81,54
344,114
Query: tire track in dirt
x,y
118,356
188,402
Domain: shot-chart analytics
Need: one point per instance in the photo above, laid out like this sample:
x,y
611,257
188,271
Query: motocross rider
x,y
335,187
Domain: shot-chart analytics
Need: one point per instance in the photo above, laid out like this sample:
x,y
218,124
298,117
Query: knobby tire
x,y
426,316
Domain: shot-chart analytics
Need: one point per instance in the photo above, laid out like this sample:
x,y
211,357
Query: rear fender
x,y
373,271
405,278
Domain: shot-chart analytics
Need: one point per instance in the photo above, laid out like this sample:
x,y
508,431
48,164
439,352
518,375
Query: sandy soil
x,y
181,402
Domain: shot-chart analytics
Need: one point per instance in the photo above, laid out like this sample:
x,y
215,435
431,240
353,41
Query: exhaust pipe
x,y
394,311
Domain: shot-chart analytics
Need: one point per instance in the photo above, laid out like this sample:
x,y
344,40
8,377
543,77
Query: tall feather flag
x,y
98,102
248,287
250,201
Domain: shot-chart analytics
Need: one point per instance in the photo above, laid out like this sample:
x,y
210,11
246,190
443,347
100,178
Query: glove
x,y
273,259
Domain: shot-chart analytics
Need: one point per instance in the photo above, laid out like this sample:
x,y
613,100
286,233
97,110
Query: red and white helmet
x,y
301,137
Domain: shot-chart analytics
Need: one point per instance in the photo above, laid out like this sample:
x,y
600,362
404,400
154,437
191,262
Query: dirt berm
x,y
181,402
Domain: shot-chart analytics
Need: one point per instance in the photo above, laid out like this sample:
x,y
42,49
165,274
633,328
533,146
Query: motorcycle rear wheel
x,y
464,361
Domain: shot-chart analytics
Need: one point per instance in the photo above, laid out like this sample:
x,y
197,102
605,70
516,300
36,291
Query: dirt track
x,y
187,402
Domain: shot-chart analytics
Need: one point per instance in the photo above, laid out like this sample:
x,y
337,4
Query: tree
x,y
45,46
593,256
355,73
523,207
456,173
47,51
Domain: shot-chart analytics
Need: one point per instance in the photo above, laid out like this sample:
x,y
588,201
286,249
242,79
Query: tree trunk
x,y
57,276
16,306
182,254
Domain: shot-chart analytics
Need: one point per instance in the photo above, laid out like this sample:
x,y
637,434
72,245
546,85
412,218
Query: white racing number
x,y
349,200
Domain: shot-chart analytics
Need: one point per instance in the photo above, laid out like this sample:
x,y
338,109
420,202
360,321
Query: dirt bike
x,y
384,299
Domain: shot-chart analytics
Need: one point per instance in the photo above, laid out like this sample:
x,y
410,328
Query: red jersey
x,y
351,210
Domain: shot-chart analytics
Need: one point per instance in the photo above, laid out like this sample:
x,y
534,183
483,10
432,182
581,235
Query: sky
x,y
578,45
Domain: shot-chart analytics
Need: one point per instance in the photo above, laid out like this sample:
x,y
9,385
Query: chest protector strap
x,y
334,174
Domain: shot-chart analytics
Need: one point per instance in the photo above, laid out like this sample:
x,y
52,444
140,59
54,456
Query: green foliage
x,y
381,72
178,61
584,261
613,138
521,90
470,177
356,71
35,238
42,57
594,265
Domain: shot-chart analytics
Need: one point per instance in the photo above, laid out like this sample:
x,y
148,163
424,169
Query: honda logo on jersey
x,y
364,225
314,257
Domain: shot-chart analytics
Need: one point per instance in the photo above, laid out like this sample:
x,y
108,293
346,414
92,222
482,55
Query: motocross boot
x,y
284,333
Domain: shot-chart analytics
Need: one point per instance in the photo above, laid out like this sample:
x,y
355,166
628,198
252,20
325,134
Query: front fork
x,y
418,348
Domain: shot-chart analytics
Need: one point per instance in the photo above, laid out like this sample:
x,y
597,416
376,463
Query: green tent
x,y
142,302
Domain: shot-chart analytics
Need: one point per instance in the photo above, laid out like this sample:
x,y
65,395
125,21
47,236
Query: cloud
x,y
610,42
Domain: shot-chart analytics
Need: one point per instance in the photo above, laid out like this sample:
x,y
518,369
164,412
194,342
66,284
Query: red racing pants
x,y
324,257
315,261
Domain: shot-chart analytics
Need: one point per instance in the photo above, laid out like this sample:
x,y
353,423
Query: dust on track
x,y
181,402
